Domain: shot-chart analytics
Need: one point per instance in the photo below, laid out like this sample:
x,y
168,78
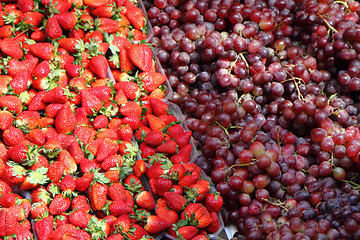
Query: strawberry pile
x,y
82,118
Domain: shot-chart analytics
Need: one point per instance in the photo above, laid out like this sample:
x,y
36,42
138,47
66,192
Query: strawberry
x,y
78,218
43,50
215,224
183,139
177,171
175,201
8,200
8,224
197,213
130,89
154,138
59,204
192,173
214,202
121,224
166,214
163,185
93,3
139,168
80,203
6,31
44,227
108,25
106,149
117,192
144,200
25,5
141,56
99,66
61,231
90,102
27,120
155,171
13,136
183,155
32,18
151,80
133,121
101,92
155,224
67,20
12,103
55,171
111,161
154,122
174,131
125,63
35,178
11,48
82,183
125,132
65,121
158,107
6,119
119,207
146,150
68,185
136,17
199,190
136,232
186,232
68,162
53,29
138,35
97,195
39,210
131,108
168,147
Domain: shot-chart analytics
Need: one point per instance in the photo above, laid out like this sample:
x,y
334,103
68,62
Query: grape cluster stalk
x,y
271,90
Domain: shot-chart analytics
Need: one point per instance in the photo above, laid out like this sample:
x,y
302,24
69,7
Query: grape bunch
x,y
271,93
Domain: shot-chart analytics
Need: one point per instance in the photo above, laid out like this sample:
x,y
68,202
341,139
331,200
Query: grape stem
x,y
331,28
297,81
275,202
353,185
241,165
343,3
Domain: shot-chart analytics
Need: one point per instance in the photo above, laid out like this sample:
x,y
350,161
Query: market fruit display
x,y
83,118
271,94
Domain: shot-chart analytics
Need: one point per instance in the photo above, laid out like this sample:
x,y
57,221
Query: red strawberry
x,y
43,50
27,120
79,219
139,168
199,190
177,171
80,203
158,106
144,200
122,224
199,213
111,161
186,232
119,207
67,20
99,66
25,5
136,17
141,56
131,108
53,29
6,119
8,200
125,132
215,224
68,162
90,102
11,48
108,25
154,122
59,204
133,121
117,192
101,92
166,214
168,147
155,171
13,136
8,224
12,103
38,210
42,69
106,149
130,89
152,80
34,18
92,3
146,150
163,185
125,63
65,121
183,155
83,182
174,131
44,227
154,138
155,224
183,139
97,195
214,202
138,233
175,201
55,171
68,185
6,31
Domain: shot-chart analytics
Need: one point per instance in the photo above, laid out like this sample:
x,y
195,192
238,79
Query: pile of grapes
x,y
271,89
